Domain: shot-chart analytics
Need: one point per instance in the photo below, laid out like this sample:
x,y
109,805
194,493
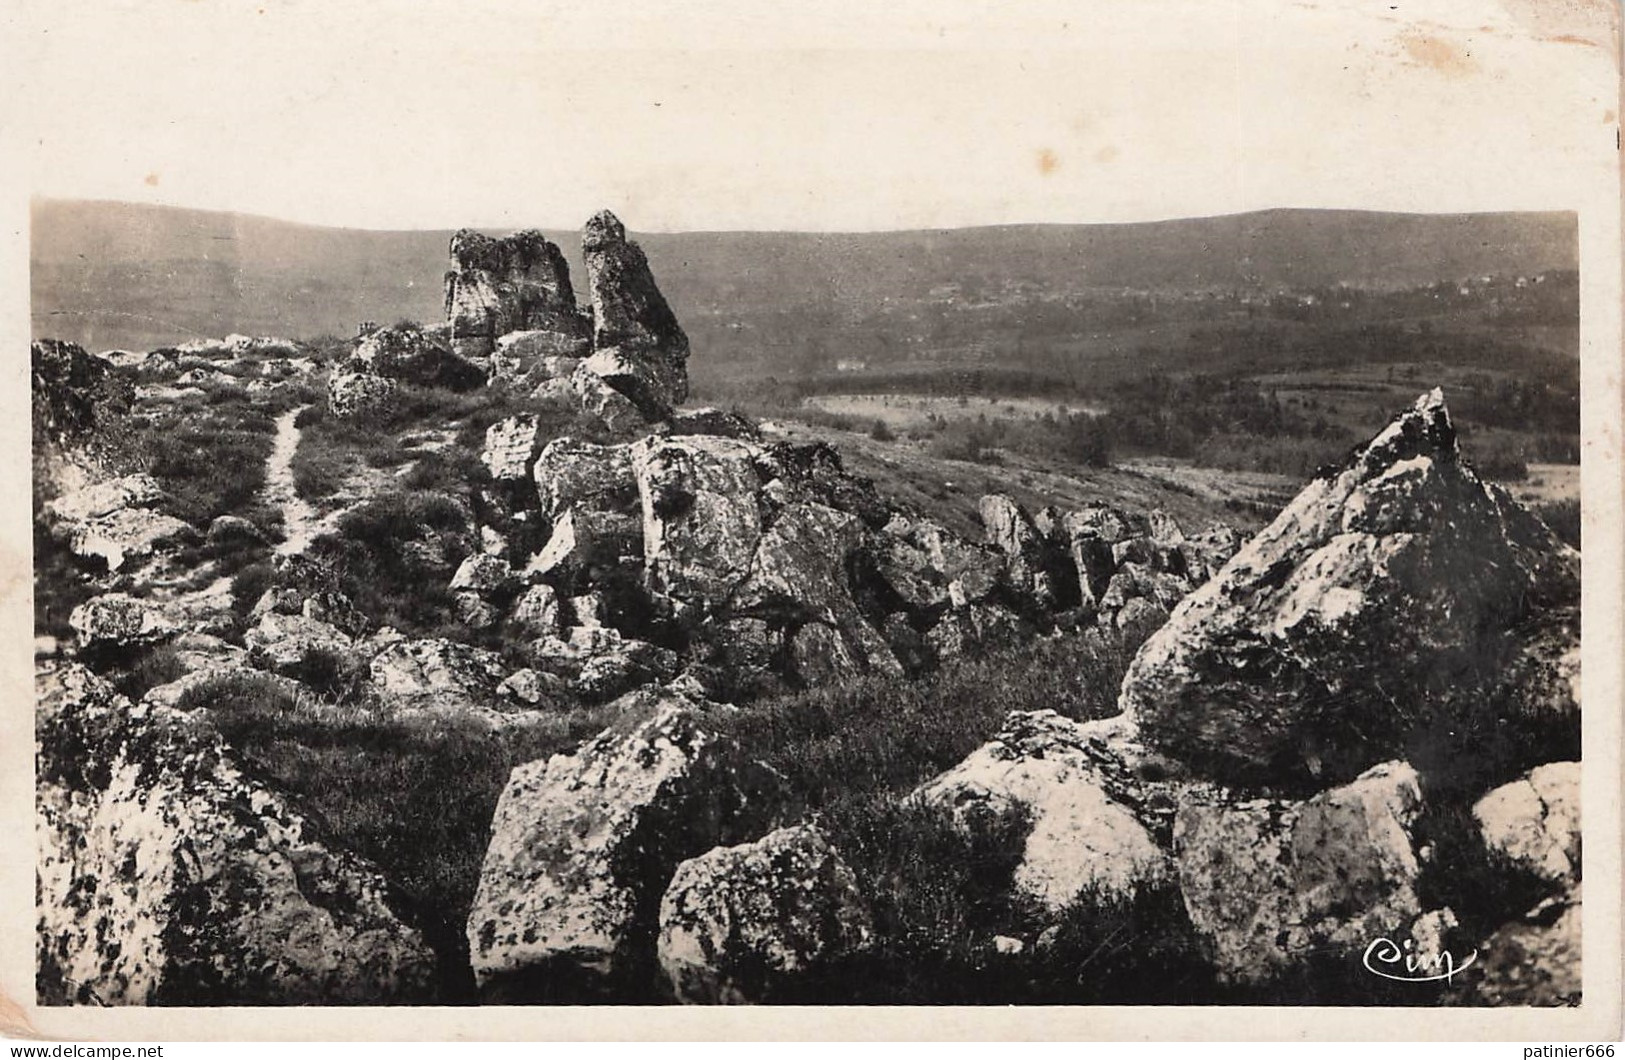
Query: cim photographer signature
x,y
1404,963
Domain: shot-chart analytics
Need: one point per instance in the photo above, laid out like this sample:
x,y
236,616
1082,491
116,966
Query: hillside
x,y
117,275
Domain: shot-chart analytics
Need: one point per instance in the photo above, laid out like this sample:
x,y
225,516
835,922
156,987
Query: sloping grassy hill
x,y
118,275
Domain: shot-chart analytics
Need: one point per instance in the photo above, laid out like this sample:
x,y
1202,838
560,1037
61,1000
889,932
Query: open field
x,y
908,412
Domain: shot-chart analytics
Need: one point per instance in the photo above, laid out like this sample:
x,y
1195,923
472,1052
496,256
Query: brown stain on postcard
x,y
1048,161
1440,55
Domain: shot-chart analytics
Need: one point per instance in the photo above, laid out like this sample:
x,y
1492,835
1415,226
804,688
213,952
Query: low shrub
x,y
880,734
208,468
249,584
394,556
937,895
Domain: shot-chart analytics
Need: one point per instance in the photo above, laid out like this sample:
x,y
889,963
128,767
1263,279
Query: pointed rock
x,y
640,349
1385,595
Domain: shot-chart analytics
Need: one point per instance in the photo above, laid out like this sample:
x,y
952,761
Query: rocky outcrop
x,y
1097,564
383,360
594,395
584,845
538,363
1398,589
754,559
167,876
639,349
537,612
601,663
1031,565
1080,788
1535,821
575,474
1272,882
757,922
80,403
511,448
77,396
518,283
708,420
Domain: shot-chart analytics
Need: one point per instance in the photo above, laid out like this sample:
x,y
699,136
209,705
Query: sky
x,y
830,116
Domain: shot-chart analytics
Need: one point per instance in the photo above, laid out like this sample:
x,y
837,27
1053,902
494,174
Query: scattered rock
x,y
169,695
974,628
1270,882
474,611
283,643
233,530
119,621
583,846
101,499
405,353
485,576
536,612
125,535
1054,771
436,673
752,923
1535,820
527,686
603,663
1006,946
1534,961
351,394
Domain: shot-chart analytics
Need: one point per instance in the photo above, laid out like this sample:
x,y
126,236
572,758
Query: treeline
x,y
936,380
